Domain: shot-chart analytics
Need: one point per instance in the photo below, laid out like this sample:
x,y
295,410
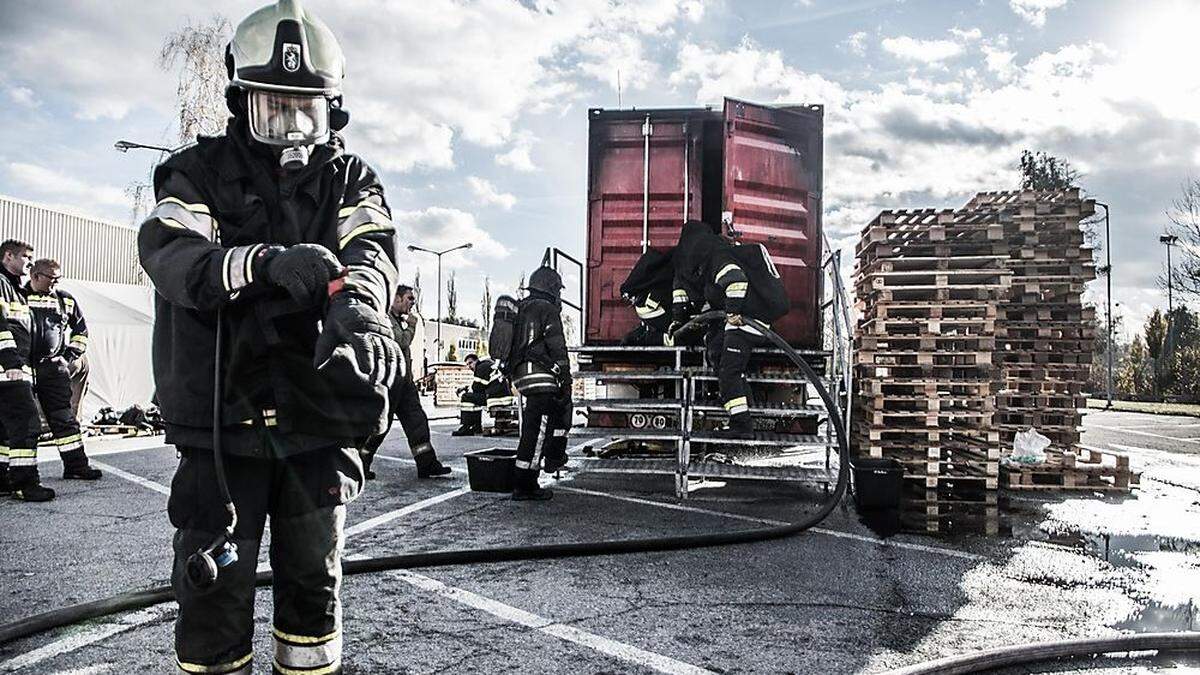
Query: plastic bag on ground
x,y
1029,447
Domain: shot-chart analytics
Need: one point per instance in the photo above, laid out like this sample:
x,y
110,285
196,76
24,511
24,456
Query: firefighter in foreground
x,y
19,422
741,280
405,399
487,383
541,371
59,339
286,240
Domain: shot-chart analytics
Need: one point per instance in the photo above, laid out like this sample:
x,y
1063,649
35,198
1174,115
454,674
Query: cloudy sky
x,y
475,112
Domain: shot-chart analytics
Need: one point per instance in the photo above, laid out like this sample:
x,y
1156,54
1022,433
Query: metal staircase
x,y
654,410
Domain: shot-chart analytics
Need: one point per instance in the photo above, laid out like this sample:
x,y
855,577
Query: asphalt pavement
x,y
839,599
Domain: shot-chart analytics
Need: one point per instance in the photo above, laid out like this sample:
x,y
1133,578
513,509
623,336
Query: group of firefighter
x,y
43,338
272,253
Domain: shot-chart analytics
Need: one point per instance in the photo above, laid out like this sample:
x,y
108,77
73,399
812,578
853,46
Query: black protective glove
x,y
71,355
303,270
356,346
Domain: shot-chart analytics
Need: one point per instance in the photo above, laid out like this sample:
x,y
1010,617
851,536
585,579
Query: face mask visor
x,y
288,119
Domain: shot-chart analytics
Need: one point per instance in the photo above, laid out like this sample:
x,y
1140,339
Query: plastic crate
x,y
491,469
878,482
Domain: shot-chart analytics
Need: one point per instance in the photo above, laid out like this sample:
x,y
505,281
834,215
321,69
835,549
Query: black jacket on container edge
x,y
542,365
55,314
219,203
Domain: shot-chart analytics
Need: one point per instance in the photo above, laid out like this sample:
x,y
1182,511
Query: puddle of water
x,y
1157,617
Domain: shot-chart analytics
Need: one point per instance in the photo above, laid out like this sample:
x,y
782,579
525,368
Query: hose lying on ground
x,y
133,600
1038,652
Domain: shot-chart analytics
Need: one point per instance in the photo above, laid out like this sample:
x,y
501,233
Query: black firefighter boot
x,y
526,488
5,487
740,425
471,423
428,465
27,487
76,467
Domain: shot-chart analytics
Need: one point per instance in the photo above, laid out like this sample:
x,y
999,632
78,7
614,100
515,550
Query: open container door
x,y
644,173
772,196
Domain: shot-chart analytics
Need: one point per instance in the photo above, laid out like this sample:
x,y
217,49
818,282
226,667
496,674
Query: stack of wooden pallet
x,y
1045,333
973,328
929,285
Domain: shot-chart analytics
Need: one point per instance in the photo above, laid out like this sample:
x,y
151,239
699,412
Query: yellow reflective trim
x,y
331,668
364,229
218,668
65,440
735,402
725,270
364,204
195,208
680,294
171,222
22,453
304,639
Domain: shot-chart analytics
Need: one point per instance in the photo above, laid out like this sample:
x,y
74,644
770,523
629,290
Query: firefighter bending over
x,y
487,383
742,281
277,234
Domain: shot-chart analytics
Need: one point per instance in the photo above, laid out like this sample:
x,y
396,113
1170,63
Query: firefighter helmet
x,y
546,280
291,66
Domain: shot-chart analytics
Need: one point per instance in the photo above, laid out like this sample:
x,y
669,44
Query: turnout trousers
x,y
304,496
20,427
543,434
470,409
728,349
52,384
406,406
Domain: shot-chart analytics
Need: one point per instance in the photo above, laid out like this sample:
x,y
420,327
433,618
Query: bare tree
x,y
1184,215
521,286
417,290
451,297
485,307
1040,171
199,51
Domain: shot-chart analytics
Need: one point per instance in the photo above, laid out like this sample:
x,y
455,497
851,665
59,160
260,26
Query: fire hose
x,y
968,663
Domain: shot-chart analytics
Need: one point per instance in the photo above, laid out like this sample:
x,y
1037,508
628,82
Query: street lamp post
x,y
1108,301
1169,240
413,249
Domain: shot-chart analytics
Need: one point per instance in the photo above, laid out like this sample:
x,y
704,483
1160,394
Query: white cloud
x,y
1034,11
751,73
440,228
60,189
487,194
855,43
966,35
925,51
23,96
519,156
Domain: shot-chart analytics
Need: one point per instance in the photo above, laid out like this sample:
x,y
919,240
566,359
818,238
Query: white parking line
x,y
144,482
620,650
88,637
767,521
1143,433
388,517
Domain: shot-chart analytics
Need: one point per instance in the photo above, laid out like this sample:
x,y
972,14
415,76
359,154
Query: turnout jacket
x,y
58,326
219,203
404,327
15,321
488,380
541,363
733,278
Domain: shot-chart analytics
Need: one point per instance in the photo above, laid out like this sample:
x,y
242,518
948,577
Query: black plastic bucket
x,y
491,469
878,482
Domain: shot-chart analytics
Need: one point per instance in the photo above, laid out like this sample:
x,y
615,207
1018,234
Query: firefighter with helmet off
x,y
272,253
541,371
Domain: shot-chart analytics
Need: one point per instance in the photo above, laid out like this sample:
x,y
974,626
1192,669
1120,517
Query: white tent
x,y
119,318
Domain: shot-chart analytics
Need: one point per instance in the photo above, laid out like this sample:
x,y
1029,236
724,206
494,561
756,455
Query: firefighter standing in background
x,y
487,382
287,241
405,399
19,422
542,373
59,338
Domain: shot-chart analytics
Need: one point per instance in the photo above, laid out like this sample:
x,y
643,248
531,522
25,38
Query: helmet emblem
x,y
291,57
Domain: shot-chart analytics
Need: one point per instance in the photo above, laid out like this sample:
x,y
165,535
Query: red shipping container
x,y
755,168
